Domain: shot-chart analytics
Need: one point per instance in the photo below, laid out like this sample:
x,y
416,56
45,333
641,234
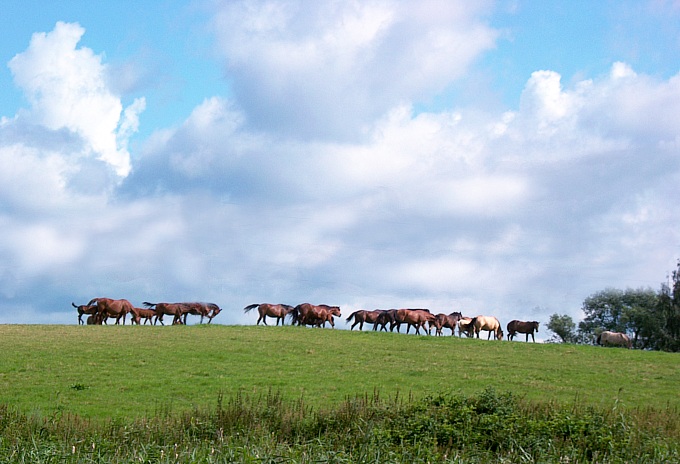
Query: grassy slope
x,y
132,371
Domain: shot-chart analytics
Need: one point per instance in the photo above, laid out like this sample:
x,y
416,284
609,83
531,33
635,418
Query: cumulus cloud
x,y
328,69
316,180
67,88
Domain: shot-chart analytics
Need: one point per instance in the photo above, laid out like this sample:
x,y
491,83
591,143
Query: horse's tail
x,y
249,307
598,339
351,316
149,305
74,305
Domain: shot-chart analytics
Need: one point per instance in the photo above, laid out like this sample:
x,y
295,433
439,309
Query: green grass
x,y
131,371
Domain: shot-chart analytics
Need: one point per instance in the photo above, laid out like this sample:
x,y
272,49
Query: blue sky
x,y
506,158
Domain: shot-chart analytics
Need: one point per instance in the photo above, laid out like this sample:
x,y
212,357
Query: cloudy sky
x,y
507,158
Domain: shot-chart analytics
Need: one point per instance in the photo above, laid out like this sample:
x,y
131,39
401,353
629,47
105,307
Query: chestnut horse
x,y
362,316
489,324
416,318
106,307
279,311
316,315
208,310
176,310
449,321
527,328
146,314
84,309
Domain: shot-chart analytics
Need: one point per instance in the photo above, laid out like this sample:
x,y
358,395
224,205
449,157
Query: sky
x,y
505,158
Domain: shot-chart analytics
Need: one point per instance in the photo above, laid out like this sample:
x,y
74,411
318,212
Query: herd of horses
x,y
318,315
99,310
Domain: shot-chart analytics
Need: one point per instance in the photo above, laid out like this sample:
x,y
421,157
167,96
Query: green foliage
x,y
443,427
651,319
564,329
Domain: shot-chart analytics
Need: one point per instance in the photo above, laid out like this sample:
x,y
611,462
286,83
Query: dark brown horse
x,y
84,309
525,327
385,317
176,310
315,315
208,310
279,311
448,321
362,316
106,307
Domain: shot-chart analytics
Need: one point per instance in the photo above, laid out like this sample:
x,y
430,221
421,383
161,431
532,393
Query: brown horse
x,y
488,324
614,339
84,309
416,318
527,328
279,311
443,320
387,316
316,315
208,310
106,307
146,314
176,310
362,316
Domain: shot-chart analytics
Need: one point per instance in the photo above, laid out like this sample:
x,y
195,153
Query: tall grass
x,y
447,427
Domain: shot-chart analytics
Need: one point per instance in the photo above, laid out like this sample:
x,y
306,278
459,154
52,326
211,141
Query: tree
x,y
669,314
563,327
630,311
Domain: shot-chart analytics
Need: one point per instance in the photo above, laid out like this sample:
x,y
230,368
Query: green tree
x,y
669,314
563,328
631,311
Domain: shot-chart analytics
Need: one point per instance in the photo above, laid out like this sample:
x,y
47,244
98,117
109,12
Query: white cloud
x,y
325,69
66,87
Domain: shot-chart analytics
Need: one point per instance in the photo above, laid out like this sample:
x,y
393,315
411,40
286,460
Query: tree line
x,y
650,318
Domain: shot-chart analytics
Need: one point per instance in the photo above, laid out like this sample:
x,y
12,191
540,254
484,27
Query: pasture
x,y
135,371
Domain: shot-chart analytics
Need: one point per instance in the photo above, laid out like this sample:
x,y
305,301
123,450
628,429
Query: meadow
x,y
124,371
283,391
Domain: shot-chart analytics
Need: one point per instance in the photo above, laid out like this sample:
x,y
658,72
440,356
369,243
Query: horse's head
x,y
335,311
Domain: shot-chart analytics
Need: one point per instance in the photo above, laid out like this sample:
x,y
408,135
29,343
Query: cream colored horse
x,y
614,339
489,324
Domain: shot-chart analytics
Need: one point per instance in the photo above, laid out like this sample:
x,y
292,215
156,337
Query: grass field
x,y
132,371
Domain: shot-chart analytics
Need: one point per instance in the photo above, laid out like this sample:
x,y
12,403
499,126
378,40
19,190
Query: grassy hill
x,y
132,371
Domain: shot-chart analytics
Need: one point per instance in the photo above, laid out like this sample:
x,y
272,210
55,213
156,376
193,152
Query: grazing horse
x,y
316,315
176,310
527,328
208,310
449,321
465,327
106,307
489,324
279,311
84,309
362,316
614,339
